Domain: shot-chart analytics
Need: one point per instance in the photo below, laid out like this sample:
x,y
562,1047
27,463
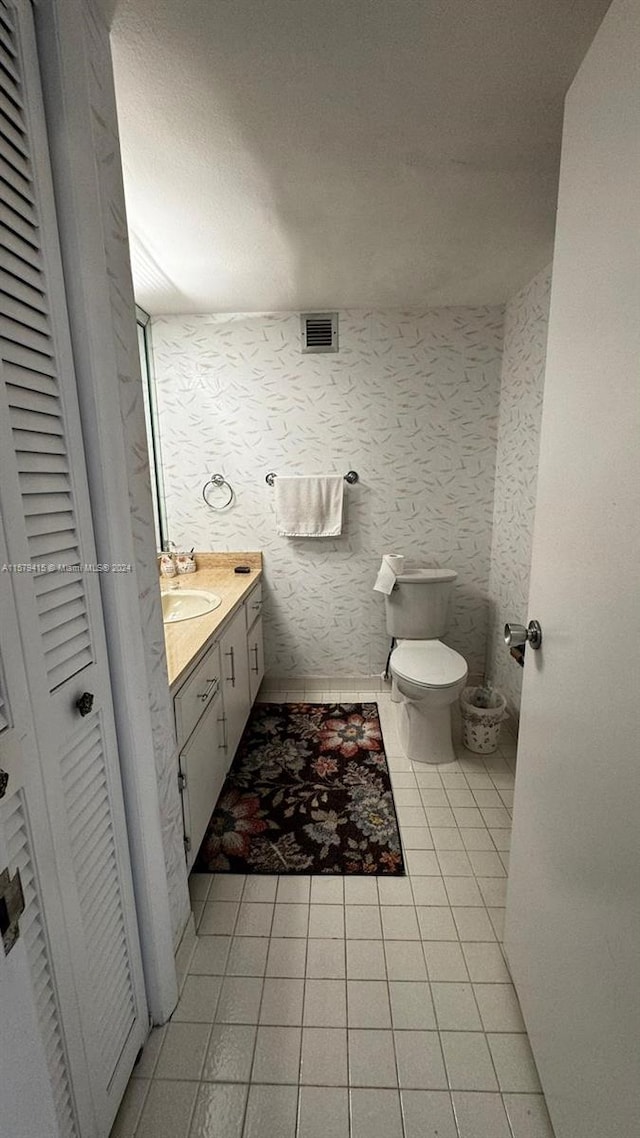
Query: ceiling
x,y
322,154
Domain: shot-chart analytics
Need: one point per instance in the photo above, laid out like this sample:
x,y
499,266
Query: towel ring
x,y
219,482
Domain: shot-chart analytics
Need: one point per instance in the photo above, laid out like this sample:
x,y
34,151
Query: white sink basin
x,y
184,604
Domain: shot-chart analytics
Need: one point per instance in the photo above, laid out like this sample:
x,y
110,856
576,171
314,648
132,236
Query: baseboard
x,y
323,683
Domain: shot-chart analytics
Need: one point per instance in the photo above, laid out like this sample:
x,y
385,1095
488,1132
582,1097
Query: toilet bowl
x,y
428,677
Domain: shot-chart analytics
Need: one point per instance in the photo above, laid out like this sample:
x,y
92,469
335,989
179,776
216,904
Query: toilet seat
x,y
428,664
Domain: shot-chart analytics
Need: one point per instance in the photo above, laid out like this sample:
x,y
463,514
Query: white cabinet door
x,y
256,657
45,505
235,681
203,765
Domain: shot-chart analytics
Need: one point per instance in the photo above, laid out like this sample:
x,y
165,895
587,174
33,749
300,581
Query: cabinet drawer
x,y
253,605
256,657
196,693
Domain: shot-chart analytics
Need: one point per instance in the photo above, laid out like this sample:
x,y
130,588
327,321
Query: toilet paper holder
x,y
515,635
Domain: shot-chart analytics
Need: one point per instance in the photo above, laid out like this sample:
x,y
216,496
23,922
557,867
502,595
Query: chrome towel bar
x,y
351,476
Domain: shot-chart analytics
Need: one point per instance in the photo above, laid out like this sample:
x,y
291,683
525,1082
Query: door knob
x,y
515,635
85,703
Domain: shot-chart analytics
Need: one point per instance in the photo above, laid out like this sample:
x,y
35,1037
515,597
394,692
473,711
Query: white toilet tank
x,y
418,607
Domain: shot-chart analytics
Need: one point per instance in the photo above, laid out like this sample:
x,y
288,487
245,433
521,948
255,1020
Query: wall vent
x,y
319,331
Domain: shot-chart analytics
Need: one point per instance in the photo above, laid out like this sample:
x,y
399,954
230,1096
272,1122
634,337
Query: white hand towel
x,y
309,506
392,565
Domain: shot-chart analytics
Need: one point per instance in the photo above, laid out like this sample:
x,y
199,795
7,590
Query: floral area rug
x,y
308,792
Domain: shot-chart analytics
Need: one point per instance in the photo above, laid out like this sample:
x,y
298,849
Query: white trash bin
x,y
483,711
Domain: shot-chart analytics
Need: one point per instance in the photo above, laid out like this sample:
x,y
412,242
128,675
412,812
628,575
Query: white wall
x,y
521,390
410,401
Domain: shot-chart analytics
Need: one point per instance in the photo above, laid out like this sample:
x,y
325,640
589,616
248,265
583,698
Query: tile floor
x,y
324,1007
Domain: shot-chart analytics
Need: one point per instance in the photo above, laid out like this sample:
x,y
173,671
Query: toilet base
x,y
425,736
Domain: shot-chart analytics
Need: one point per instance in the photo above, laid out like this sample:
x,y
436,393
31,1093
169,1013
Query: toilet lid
x,y
428,662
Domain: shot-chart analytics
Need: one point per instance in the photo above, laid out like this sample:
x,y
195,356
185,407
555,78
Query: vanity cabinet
x,y
211,710
235,679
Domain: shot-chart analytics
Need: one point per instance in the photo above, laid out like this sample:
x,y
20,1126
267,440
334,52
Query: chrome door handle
x,y
254,648
515,635
205,695
232,677
224,744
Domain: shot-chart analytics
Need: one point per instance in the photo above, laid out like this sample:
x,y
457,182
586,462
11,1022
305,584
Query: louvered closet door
x,y
44,501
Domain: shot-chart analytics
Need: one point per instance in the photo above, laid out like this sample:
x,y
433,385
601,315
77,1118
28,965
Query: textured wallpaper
x,y
132,410
410,401
525,343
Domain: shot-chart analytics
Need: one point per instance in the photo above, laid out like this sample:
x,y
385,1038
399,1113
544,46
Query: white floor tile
x,y
447,838
460,795
327,890
454,863
499,1007
468,1062
326,920
486,863
325,1003
230,1053
411,816
277,1055
323,1112
287,957
326,959
199,999
428,1114
428,778
282,1002
405,959
463,891
480,1115
473,924
487,798
254,919
444,960
375,1114
405,796
455,1006
399,922
183,1051
260,887
324,1057
395,891
167,1110
429,891
372,1061
365,959
239,1000
528,1116
411,1006
486,963
210,955
501,839
514,1063
496,916
420,1064
360,891
477,838
494,891
423,863
363,922
417,838
218,917
248,956
292,889
436,923
271,1113
434,797
368,1003
226,887
467,816
290,920
496,816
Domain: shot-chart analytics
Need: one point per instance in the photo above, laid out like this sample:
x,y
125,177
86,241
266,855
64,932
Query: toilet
x,y
427,676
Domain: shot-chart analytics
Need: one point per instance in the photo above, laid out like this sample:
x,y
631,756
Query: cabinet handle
x,y
223,720
254,648
205,695
232,677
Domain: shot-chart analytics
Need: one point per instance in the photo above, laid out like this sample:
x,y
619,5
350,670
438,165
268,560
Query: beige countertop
x,y
185,639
